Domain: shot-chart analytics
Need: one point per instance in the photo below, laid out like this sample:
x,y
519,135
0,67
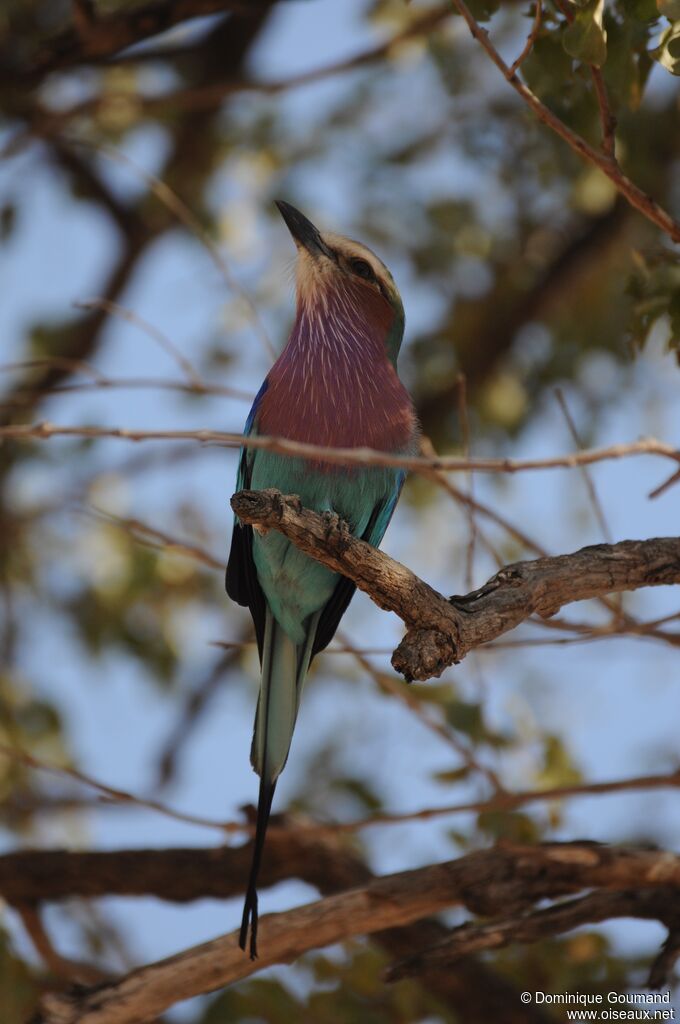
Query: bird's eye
x,y
362,268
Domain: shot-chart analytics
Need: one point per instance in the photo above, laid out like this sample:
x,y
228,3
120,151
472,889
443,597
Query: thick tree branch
x,y
178,875
476,991
504,880
441,632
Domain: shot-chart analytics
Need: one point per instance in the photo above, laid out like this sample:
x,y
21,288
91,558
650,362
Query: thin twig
x,y
169,198
115,309
17,755
531,38
666,485
509,801
395,688
607,119
464,419
344,456
57,363
587,478
156,538
20,398
62,967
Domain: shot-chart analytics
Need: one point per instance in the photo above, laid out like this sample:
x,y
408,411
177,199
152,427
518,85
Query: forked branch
x,y
441,631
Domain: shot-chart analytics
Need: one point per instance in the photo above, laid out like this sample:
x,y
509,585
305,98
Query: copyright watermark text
x,y
611,1006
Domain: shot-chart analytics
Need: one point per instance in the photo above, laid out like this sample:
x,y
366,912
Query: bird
x,y
335,384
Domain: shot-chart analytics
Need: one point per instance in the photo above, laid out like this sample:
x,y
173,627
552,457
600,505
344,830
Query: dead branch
x,y
441,632
503,880
475,990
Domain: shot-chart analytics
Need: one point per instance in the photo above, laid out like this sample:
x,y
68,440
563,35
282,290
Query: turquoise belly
x,y
295,585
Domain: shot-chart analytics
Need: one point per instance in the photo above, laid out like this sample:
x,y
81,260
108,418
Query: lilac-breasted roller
x,y
335,384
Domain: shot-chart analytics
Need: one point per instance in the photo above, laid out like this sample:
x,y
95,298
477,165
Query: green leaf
x,y
452,775
483,9
466,717
510,825
667,52
585,39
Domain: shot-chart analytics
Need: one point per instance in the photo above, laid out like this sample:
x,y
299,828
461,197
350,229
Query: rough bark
x,y
441,631
506,880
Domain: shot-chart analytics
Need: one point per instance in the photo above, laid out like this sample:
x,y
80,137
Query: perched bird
x,y
335,384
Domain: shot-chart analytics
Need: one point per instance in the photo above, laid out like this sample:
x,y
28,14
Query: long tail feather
x,y
284,667
249,919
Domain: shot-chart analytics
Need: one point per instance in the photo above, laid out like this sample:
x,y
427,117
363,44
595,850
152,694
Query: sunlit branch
x,y
345,456
488,882
442,632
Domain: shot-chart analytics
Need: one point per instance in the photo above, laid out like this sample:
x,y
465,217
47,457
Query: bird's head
x,y
337,271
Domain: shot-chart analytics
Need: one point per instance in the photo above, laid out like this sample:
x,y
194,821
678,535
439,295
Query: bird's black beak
x,y
303,231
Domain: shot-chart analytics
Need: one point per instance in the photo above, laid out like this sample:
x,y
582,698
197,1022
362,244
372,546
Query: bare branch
x,y
344,456
60,966
441,632
505,800
531,38
168,346
502,880
109,793
587,478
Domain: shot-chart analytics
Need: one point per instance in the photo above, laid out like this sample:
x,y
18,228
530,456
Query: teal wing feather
x,y
336,607
241,580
